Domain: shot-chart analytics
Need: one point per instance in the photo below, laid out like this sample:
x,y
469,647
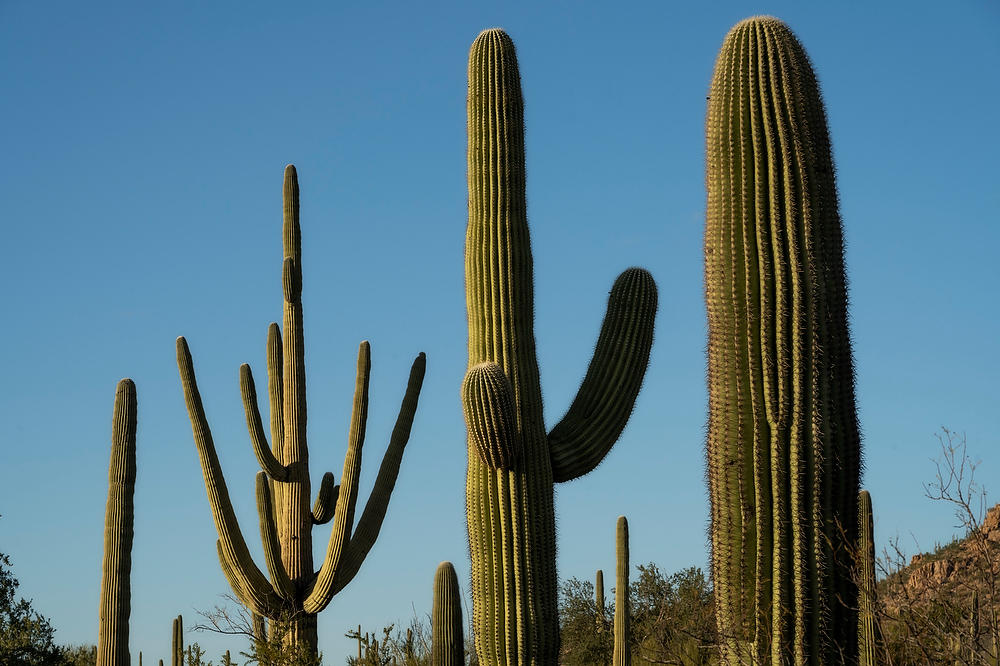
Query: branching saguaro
x,y
784,453
295,590
116,595
513,461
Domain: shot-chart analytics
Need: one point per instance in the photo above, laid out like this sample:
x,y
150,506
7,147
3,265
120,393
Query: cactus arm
x,y
370,524
343,518
234,582
595,420
269,537
115,605
265,456
251,580
488,403
275,396
326,500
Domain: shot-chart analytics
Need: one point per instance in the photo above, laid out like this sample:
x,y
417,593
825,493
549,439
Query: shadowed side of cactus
x,y
116,597
784,454
293,591
869,636
513,461
447,638
623,614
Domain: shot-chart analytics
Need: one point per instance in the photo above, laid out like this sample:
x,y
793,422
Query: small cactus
x,y
599,600
177,643
623,613
115,606
447,639
869,637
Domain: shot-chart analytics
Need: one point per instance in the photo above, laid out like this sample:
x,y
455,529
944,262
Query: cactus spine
x,y
447,639
869,637
623,614
295,592
513,463
115,605
177,643
783,447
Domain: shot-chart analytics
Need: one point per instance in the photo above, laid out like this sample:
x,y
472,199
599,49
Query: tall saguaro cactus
x,y
116,596
513,462
784,454
599,599
869,636
296,592
623,613
447,637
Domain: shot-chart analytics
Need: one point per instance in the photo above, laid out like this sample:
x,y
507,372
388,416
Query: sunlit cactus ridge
x,y
784,455
513,461
292,589
119,515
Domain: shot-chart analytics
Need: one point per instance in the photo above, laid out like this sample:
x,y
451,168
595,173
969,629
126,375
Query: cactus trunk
x,y
783,445
623,648
447,638
513,462
293,593
116,598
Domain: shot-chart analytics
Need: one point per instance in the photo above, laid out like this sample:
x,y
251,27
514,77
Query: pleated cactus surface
x,y
513,461
869,637
293,590
784,453
447,637
116,595
623,612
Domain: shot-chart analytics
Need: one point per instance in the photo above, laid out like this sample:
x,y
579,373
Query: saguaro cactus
x,y
447,638
295,592
784,453
623,613
869,636
599,599
115,606
177,642
513,463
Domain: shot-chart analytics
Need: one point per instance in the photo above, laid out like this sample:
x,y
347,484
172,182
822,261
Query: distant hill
x,y
928,604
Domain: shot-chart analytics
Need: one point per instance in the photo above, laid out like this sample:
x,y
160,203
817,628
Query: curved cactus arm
x,y
343,518
269,537
250,578
595,420
326,500
265,456
370,524
488,403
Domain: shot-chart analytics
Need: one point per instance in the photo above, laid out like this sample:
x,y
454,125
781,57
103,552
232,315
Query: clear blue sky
x,y
142,153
